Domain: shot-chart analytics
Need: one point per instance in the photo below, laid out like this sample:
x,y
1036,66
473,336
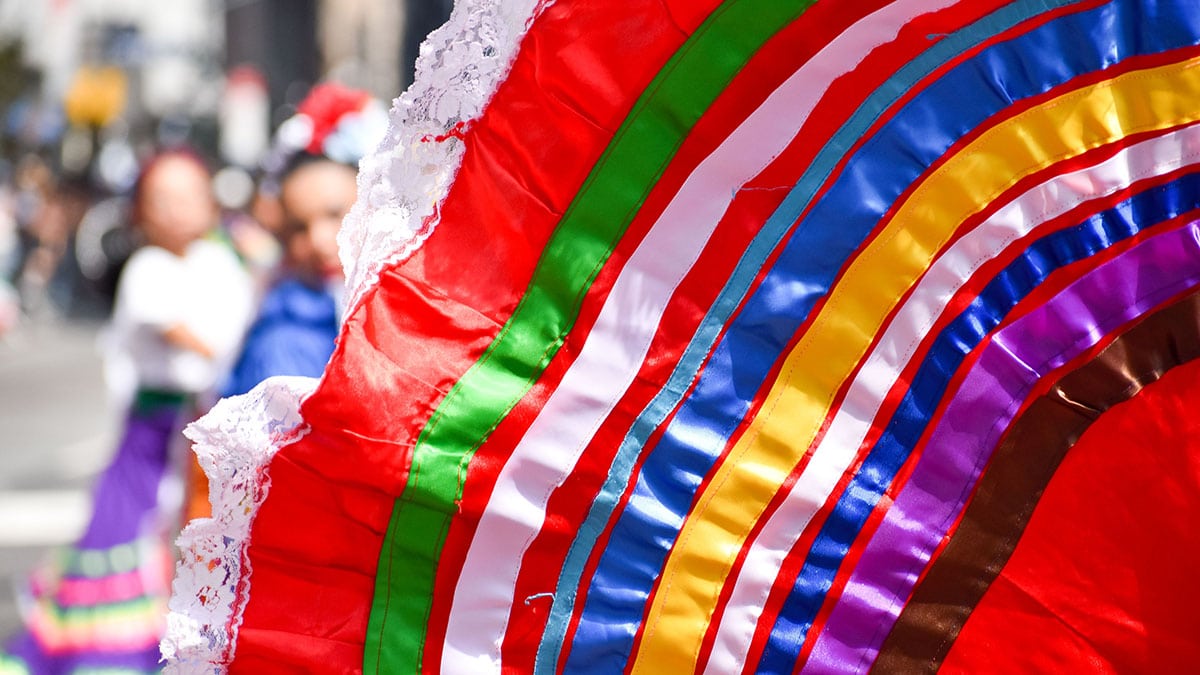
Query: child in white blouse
x,y
182,304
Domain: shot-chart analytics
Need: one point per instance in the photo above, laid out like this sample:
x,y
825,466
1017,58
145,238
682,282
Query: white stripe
x,y
883,366
615,348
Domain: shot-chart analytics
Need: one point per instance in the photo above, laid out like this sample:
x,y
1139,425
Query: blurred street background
x,y
88,90
58,432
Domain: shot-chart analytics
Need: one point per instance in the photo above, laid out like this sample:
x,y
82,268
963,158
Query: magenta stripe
x,y
983,407
78,592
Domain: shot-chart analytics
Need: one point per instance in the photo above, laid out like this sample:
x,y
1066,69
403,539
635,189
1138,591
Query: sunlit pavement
x,y
56,432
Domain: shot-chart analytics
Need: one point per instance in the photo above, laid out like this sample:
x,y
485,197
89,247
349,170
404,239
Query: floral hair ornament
x,y
334,122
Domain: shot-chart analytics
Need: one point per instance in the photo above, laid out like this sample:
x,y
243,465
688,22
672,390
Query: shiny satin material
x,y
992,155
964,436
458,306
614,350
428,322
860,302
572,258
569,502
751,368
767,321
1019,472
956,277
748,210
609,359
945,356
1103,578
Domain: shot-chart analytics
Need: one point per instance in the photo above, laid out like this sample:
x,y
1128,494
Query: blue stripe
x,y
665,489
945,356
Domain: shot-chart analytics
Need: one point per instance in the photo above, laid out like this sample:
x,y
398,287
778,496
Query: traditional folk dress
x,y
734,336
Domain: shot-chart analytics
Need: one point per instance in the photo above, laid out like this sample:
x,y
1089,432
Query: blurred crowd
x,y
64,239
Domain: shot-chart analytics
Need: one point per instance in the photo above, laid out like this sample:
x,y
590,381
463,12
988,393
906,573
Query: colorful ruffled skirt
x,y
99,606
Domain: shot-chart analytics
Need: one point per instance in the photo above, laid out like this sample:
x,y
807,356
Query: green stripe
x,y
598,217
149,401
101,563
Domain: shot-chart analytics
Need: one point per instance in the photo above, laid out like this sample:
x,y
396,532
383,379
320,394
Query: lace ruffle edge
x,y
401,184
234,443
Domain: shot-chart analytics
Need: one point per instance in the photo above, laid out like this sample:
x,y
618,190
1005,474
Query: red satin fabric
x,y
316,539
1103,579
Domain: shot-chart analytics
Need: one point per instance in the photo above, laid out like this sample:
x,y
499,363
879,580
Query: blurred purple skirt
x,y
100,605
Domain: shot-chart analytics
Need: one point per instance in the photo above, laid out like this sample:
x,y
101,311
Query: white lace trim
x,y
400,187
234,443
402,183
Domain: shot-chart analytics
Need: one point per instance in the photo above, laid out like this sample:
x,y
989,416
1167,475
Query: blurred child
x,y
316,154
181,308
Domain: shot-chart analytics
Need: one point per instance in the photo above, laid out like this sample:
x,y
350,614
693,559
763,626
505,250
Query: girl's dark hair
x,y
329,111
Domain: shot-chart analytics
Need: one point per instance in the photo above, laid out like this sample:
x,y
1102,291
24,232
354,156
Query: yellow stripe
x,y
826,355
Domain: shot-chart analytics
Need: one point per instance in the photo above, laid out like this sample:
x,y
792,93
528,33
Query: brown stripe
x,y
1019,472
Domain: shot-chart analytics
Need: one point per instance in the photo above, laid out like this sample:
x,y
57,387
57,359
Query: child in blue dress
x,y
300,316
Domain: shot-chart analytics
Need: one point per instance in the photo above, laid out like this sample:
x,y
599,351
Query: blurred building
x,y
89,87
277,38
361,43
170,51
369,44
373,44
422,17
145,69
121,72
